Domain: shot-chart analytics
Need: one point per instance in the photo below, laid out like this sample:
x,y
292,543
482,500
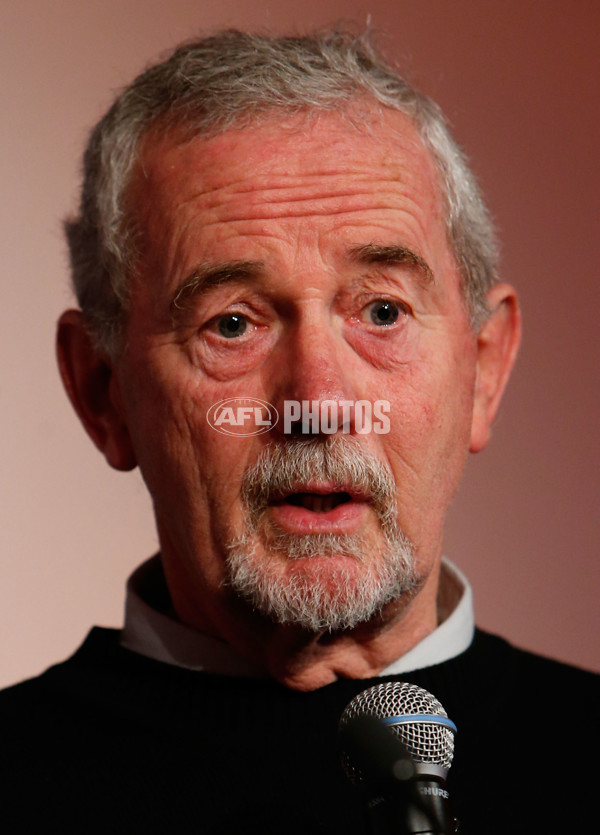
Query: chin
x,y
320,583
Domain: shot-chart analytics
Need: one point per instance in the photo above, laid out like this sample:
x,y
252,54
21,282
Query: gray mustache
x,y
288,467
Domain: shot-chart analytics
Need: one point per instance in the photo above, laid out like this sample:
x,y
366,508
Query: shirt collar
x,y
455,630
151,631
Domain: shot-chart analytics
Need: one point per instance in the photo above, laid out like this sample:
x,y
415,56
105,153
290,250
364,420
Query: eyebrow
x,y
393,255
208,275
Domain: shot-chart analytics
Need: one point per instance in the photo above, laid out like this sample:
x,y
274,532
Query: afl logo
x,y
242,416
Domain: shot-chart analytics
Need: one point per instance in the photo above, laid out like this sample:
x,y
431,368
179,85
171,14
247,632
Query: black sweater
x,y
112,742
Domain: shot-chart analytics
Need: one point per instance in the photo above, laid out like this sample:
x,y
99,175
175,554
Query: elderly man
x,y
284,227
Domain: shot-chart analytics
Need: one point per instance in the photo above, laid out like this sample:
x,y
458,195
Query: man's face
x,y
303,259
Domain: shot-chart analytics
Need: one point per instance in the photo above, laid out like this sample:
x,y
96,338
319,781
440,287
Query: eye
x,y
382,312
232,325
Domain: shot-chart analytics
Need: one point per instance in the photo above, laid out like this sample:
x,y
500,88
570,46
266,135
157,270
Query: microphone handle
x,y
420,806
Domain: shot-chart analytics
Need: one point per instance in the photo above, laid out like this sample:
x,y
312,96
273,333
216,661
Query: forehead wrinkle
x,y
311,187
305,182
282,187
328,204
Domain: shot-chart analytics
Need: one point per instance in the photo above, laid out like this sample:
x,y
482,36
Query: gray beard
x,y
350,591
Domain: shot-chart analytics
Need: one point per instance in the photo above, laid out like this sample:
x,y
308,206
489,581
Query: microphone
x,y
396,745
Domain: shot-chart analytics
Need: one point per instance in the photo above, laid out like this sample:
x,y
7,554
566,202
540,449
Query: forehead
x,y
356,127
324,179
278,150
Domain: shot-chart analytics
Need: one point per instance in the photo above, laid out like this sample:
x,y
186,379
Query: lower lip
x,y
343,519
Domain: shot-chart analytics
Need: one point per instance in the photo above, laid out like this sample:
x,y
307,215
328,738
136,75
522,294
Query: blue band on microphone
x,y
420,717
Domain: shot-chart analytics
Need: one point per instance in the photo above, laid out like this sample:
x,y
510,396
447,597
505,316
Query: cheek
x,y
187,465
165,422
430,420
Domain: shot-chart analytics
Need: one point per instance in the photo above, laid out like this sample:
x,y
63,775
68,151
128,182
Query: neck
x,y
305,660
361,653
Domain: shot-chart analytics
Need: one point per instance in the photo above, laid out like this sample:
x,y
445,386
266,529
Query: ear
x,y
94,391
497,346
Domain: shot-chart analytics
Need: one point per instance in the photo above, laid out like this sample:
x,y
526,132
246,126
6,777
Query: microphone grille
x,y
429,737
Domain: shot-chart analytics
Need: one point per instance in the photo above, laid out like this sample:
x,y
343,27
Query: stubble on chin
x,y
320,582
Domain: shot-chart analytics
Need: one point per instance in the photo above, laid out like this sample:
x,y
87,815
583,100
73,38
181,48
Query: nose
x,y
313,381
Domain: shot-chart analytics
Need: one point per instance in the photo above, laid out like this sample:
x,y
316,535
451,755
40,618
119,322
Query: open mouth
x,y
317,502
319,508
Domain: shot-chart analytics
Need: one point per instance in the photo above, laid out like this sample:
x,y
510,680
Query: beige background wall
x,y
520,84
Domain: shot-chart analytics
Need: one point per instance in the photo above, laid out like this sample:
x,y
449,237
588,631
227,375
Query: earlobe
x,y
93,390
497,346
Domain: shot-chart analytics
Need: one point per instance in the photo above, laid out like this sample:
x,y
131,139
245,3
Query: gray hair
x,y
232,79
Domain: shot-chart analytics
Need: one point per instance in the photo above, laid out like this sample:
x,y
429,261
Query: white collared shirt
x,y
155,634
